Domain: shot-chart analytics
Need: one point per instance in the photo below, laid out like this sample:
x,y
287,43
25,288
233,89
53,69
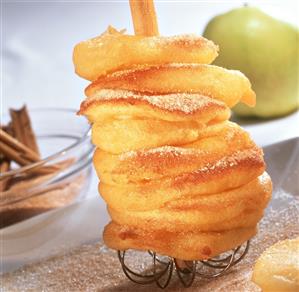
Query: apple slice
x,y
229,86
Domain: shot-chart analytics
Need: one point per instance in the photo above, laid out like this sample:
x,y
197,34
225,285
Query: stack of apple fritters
x,y
178,177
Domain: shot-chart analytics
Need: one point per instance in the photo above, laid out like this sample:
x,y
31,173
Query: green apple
x,y
266,50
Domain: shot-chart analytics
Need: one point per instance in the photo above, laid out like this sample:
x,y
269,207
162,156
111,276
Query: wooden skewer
x,y
145,24
144,17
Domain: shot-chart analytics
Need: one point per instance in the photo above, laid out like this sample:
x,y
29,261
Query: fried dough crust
x,y
113,51
239,207
229,86
177,176
180,245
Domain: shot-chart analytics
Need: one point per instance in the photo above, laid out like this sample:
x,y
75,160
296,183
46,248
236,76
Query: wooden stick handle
x,y
144,17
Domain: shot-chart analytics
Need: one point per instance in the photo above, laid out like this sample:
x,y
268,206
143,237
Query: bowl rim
x,y
86,136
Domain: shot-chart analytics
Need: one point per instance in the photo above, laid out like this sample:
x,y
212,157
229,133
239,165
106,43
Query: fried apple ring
x,y
113,51
181,245
229,86
223,211
212,219
216,142
118,136
171,165
218,177
107,104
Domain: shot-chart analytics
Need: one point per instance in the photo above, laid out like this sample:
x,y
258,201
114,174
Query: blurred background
x,y
38,39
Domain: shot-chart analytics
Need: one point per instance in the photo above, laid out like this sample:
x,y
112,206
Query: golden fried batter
x,y
219,141
113,51
177,176
107,104
130,122
119,136
231,86
180,245
214,212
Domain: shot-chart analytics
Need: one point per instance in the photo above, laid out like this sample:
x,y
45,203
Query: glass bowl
x,y
60,178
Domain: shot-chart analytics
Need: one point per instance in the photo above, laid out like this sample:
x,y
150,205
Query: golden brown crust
x,y
171,165
181,245
221,144
231,86
184,167
154,194
239,207
250,159
113,51
118,136
109,104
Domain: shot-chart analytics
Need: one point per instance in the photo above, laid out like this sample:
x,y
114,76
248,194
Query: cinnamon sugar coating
x,y
113,51
170,163
231,86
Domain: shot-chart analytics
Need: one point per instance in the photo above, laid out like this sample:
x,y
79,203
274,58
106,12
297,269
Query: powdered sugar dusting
x,y
187,103
186,40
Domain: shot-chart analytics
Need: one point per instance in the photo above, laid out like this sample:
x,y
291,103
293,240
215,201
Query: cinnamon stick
x,y
15,150
4,162
18,144
24,148
22,129
21,154
144,17
4,167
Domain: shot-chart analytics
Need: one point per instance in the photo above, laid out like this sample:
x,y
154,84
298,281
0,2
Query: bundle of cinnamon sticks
x,y
28,193
17,143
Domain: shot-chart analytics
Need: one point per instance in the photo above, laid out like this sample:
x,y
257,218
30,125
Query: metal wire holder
x,y
162,269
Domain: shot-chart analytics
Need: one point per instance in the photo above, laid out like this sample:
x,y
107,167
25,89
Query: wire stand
x,y
162,268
